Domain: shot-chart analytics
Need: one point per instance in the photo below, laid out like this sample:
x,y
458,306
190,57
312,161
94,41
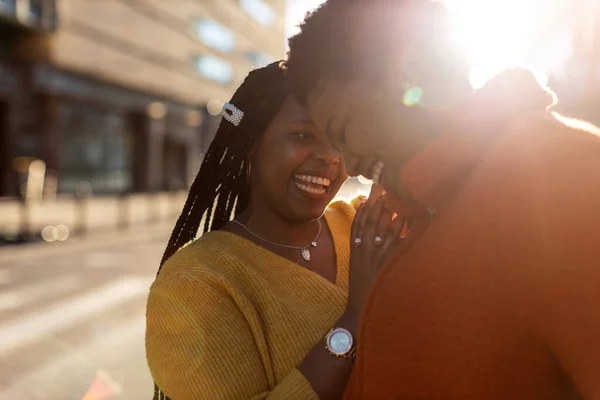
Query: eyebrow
x,y
328,126
342,131
303,121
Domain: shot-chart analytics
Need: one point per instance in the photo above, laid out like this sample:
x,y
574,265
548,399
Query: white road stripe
x,y
37,291
6,276
33,326
79,364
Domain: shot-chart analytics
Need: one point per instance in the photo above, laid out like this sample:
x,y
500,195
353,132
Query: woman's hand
x,y
374,237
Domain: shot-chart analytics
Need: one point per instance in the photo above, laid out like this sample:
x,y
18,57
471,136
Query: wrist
x,y
349,320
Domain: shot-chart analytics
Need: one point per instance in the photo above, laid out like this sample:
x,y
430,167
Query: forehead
x,y
330,99
291,112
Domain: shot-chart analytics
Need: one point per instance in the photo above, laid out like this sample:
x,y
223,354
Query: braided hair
x,y
222,186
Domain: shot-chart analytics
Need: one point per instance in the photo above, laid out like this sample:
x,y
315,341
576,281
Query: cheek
x,y
277,162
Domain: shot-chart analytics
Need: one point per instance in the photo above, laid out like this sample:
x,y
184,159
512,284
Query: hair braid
x,y
222,184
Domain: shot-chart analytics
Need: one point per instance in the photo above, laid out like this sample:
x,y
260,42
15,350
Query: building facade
x,y
114,94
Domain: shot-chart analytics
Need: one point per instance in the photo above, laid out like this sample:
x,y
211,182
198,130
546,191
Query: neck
x,y
271,226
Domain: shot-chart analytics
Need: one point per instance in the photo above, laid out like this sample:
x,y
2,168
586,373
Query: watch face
x,y
339,341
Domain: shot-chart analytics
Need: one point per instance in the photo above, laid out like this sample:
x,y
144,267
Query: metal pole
x,y
83,192
124,219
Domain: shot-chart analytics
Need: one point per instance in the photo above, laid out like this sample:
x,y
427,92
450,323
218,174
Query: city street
x,y
72,315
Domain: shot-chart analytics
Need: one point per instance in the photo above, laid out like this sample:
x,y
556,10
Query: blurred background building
x,y
115,92
119,97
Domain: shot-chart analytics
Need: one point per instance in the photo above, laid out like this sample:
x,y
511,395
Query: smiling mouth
x,y
316,185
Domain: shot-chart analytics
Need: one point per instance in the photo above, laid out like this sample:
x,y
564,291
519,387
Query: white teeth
x,y
314,179
310,190
377,170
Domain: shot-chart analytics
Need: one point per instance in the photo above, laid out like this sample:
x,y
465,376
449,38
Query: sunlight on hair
x,y
499,34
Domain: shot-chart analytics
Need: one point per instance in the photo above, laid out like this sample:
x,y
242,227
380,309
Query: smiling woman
x,y
243,312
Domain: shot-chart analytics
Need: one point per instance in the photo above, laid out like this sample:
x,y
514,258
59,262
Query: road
x,y
72,316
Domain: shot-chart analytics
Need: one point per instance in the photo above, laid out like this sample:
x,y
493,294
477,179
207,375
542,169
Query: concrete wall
x,y
150,44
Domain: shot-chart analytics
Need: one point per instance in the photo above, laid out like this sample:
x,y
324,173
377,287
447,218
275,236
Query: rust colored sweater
x,y
498,296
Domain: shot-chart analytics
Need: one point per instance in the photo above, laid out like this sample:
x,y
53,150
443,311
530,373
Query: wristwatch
x,y
340,343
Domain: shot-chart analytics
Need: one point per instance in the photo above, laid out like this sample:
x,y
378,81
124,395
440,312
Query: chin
x,y
308,214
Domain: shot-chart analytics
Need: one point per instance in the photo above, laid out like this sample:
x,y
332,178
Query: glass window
x,y
260,10
215,35
9,5
214,68
36,9
258,59
96,148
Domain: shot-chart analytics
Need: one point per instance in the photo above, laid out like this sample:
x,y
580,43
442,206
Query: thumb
x,y
377,191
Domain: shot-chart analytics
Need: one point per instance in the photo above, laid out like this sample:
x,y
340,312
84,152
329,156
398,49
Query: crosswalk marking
x,y
37,291
36,325
85,360
6,276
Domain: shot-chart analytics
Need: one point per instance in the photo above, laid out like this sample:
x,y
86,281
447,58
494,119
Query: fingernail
x,y
357,241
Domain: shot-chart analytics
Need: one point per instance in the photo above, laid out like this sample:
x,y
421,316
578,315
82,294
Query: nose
x,y
328,155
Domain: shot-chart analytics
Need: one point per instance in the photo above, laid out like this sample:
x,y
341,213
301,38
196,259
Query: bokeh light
x,y
214,107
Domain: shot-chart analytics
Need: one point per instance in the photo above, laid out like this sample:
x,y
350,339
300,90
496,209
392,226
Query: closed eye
x,y
304,135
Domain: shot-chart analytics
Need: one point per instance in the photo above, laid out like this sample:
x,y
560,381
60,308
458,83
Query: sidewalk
x,y
93,241
92,215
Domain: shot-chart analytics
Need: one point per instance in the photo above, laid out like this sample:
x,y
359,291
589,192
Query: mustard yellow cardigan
x,y
227,319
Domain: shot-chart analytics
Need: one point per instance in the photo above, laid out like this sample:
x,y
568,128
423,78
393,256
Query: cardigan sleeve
x,y
200,346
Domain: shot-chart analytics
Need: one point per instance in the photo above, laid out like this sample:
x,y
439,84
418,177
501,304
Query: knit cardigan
x,y
228,319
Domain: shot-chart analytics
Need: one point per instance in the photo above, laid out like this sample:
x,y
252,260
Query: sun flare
x,y
499,34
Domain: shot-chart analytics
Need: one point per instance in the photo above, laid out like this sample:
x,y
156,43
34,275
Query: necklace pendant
x,y
306,254
313,244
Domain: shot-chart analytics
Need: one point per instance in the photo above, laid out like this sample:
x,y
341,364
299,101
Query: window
x,y
214,68
258,59
259,10
215,35
9,5
96,148
36,10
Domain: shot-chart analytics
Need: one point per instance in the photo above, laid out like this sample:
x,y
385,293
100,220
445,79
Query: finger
x,y
383,226
394,239
373,215
376,192
374,195
354,230
365,165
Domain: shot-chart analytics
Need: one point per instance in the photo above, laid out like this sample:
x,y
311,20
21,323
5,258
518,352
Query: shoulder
x,y
196,280
340,213
203,267
345,207
556,154
210,254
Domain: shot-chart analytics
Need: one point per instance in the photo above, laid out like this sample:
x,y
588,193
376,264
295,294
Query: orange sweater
x,y
497,297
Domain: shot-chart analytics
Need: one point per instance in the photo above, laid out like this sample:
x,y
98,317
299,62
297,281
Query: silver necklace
x,y
303,250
